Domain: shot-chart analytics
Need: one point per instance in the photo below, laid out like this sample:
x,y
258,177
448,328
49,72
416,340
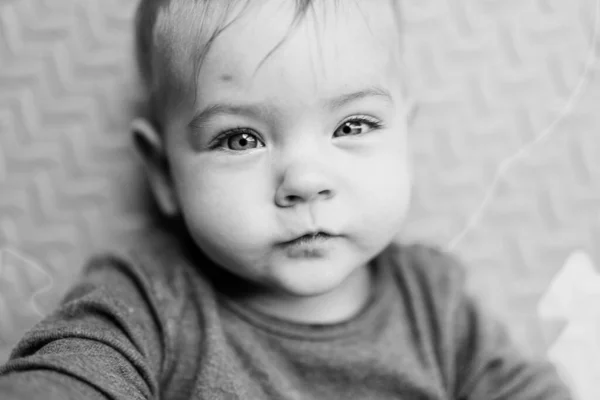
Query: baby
x,y
276,147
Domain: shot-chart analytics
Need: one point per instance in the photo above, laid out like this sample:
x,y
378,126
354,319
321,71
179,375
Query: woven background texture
x,y
505,146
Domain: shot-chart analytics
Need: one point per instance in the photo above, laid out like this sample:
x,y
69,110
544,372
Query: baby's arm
x,y
487,364
490,366
103,342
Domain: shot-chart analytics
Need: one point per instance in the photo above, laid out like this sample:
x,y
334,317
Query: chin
x,y
309,278
310,290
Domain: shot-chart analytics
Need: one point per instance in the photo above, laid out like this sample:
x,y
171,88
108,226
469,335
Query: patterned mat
x,y
505,146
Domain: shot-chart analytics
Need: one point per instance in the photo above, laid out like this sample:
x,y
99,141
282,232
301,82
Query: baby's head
x,y
274,119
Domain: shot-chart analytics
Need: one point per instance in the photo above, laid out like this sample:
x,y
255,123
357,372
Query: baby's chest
x,y
288,370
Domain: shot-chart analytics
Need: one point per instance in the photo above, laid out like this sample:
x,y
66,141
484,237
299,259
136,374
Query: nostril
x,y
298,197
292,198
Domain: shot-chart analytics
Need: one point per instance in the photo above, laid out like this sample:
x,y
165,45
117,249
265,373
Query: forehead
x,y
267,53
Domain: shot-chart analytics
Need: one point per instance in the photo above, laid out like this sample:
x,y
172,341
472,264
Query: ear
x,y
149,145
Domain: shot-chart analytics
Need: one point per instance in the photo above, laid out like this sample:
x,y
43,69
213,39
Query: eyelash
x,y
373,123
218,142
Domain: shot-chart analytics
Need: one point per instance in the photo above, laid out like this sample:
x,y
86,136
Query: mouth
x,y
311,245
310,238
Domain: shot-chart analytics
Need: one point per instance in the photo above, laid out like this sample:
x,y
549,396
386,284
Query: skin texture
x,y
291,168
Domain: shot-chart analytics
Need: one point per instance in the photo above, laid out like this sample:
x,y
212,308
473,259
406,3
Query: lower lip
x,y
309,247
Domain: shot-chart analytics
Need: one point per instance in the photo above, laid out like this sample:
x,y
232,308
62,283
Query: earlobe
x,y
149,145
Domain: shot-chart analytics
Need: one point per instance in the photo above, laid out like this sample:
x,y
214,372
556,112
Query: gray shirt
x,y
147,323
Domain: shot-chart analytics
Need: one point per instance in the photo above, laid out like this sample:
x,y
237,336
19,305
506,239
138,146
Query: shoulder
x,y
143,257
437,270
430,280
150,272
430,284
148,266
153,255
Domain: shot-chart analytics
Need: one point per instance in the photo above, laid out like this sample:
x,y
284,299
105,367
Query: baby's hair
x,y
169,32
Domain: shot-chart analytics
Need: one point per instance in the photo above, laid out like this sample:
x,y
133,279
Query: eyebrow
x,y
262,110
344,99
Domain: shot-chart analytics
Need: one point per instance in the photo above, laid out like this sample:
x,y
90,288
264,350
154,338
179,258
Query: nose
x,y
303,183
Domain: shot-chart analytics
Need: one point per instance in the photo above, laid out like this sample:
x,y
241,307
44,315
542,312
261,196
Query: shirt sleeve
x,y
104,341
488,363
490,366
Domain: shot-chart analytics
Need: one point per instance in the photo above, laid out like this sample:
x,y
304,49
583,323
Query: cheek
x,y
223,205
384,182
385,170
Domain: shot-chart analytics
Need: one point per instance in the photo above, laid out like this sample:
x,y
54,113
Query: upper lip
x,y
308,234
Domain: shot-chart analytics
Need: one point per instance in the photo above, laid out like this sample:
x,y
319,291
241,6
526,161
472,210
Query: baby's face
x,y
313,141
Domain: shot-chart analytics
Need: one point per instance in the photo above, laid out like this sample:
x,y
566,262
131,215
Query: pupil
x,y
346,129
243,141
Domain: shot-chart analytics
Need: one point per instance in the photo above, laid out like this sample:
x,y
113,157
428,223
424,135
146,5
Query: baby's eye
x,y
356,126
239,141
